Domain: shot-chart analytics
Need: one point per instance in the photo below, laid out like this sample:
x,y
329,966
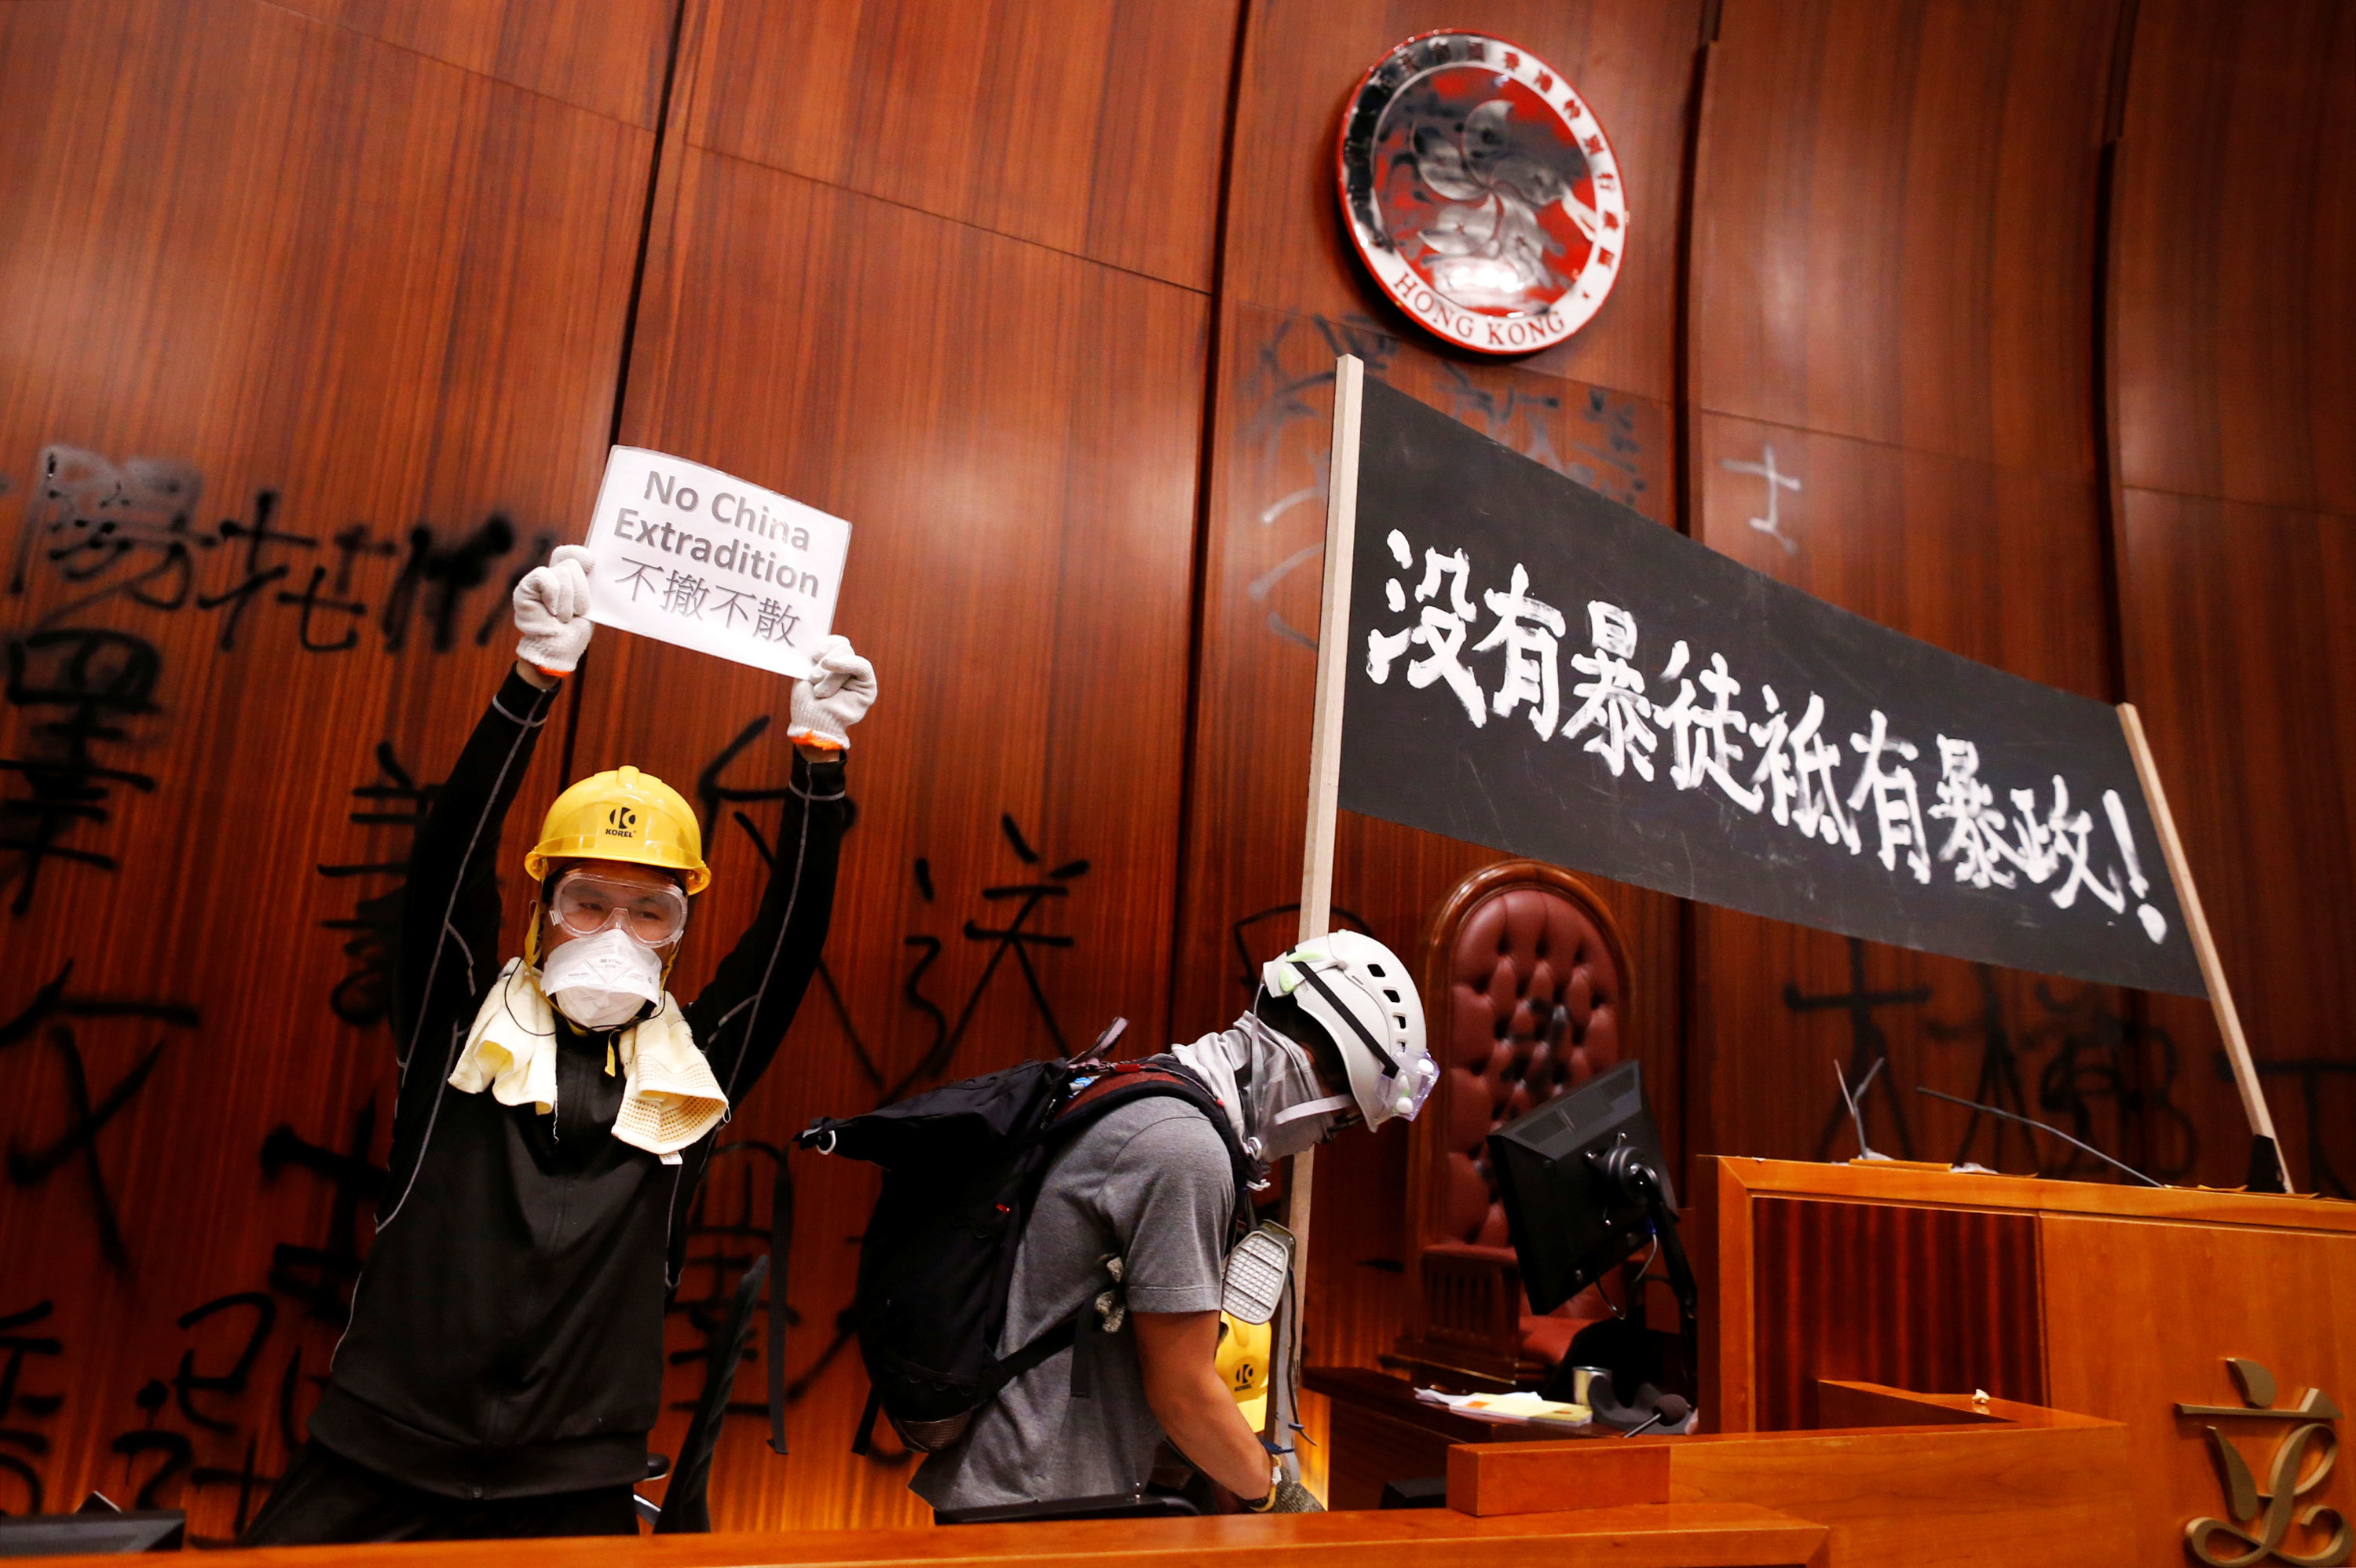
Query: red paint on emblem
x,y
1476,186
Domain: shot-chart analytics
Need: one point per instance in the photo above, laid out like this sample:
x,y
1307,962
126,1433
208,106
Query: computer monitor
x,y
88,1533
1572,1176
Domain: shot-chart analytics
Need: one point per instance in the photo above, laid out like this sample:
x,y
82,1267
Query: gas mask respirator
x,y
602,981
1269,1091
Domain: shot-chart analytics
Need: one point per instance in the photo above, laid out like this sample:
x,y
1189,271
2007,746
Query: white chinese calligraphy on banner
x,y
1864,799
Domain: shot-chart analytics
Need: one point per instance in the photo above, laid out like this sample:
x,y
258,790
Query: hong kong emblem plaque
x,y
1482,192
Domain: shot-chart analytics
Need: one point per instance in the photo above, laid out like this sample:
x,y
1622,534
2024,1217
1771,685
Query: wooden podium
x,y
2121,1302
1849,1313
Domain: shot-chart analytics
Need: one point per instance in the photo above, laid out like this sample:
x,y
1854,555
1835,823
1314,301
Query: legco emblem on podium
x,y
2271,1523
1482,192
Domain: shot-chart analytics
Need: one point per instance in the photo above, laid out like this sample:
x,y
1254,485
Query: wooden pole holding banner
x,y
1326,743
2204,948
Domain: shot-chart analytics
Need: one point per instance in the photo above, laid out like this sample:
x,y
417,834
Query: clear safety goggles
x,y
587,902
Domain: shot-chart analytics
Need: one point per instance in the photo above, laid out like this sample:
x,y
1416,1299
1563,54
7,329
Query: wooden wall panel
x,y
1895,224
1939,547
1292,298
2244,663
1086,127
995,383
266,275
1894,372
2236,242
2234,341
602,55
1933,1300
1018,463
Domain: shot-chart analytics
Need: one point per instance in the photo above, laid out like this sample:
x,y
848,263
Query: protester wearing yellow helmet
x,y
503,1366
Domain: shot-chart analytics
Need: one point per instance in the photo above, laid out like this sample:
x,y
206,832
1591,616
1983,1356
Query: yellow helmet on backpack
x,y
622,814
1243,1362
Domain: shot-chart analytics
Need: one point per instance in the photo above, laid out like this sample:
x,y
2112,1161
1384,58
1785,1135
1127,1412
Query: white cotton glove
x,y
551,612
834,697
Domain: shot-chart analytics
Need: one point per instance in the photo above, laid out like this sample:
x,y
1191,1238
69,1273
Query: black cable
x,y
2033,1122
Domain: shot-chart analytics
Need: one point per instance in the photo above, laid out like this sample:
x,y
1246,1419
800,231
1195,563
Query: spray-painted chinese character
x,y
92,681
17,1402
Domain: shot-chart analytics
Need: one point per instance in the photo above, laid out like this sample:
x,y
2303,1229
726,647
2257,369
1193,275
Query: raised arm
x,y
742,1016
450,912
448,950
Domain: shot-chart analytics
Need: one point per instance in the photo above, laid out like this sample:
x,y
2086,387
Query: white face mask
x,y
602,981
1264,1080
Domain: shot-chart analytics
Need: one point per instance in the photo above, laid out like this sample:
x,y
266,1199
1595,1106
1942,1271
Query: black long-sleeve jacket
x,y
507,1331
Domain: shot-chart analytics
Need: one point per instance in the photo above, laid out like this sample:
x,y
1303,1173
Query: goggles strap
x,y
1331,1102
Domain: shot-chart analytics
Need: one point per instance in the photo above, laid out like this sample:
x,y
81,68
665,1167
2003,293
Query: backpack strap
x,y
1117,1084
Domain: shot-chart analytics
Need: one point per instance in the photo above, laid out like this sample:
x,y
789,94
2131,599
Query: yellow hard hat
x,y
1243,1365
622,814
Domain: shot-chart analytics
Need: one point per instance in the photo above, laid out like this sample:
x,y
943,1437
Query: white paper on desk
x,y
695,557
1516,1406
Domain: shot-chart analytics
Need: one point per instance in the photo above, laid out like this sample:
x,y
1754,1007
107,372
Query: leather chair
x,y
1525,991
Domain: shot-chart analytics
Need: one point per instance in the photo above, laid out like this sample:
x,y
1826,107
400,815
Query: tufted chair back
x,y
1525,989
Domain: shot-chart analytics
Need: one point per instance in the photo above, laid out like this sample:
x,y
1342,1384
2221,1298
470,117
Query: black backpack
x,y
962,1165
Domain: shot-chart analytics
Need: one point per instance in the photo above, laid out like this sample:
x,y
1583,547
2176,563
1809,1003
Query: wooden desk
x,y
1377,1431
1910,1481
1639,1535
2114,1302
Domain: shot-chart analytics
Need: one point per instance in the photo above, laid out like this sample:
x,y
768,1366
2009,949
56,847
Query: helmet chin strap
x,y
1313,1107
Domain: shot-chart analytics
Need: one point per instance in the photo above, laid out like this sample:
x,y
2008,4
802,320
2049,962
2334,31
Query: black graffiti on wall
x,y
1266,933
2094,1069
2109,1066
320,1275
2312,1074
129,531
201,1403
395,799
56,1018
206,1424
77,689
1285,396
123,541
26,1334
1868,1044
1016,909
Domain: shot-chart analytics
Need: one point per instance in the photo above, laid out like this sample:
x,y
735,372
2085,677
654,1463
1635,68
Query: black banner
x,y
1534,667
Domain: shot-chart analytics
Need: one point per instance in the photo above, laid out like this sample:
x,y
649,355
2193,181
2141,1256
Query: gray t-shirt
x,y
1151,1182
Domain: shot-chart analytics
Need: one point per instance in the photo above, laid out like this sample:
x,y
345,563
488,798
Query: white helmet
x,y
1359,993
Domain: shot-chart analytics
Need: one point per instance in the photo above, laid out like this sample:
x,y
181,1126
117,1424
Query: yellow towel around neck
x,y
670,1097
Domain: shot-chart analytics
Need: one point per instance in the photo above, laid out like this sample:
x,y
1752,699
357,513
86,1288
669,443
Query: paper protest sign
x,y
689,555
